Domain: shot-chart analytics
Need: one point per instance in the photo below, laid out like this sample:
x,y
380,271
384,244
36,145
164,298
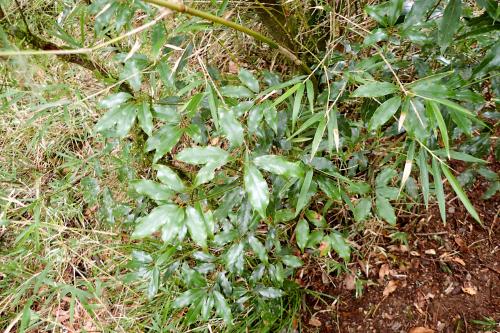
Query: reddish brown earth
x,y
446,279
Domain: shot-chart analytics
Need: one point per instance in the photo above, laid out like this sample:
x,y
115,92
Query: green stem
x,y
181,8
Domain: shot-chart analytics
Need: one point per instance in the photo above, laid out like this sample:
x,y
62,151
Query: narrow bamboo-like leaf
x,y
404,112
333,131
256,188
458,155
249,80
297,103
449,23
213,105
408,165
434,108
384,112
310,94
196,226
168,177
424,176
318,136
375,89
302,201
302,234
308,123
287,94
460,193
438,188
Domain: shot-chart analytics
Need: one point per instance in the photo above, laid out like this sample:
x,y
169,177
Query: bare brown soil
x,y
444,281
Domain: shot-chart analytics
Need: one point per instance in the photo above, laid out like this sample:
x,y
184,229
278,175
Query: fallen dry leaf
x,y
350,282
469,288
415,253
461,244
420,330
383,272
431,252
233,67
459,261
390,288
314,322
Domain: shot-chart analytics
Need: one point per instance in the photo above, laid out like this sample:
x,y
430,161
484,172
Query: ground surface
x,y
446,280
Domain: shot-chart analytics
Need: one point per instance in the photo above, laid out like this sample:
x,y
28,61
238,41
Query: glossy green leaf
x,y
158,217
187,298
279,166
385,211
271,116
375,89
158,39
231,127
362,209
132,73
236,92
418,12
460,193
438,189
258,248
207,173
202,155
292,261
384,113
169,177
340,246
145,118
249,80
114,100
196,226
119,120
234,258
270,292
151,189
449,23
163,140
302,234
222,307
256,189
